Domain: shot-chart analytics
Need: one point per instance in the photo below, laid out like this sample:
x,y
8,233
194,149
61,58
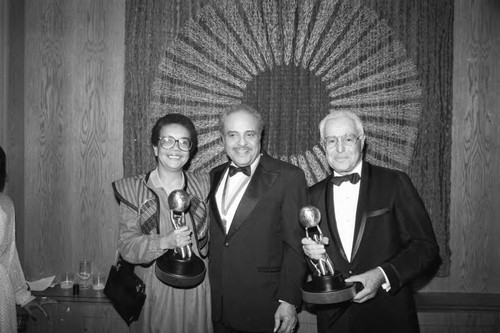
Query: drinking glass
x,y
98,281
67,280
84,273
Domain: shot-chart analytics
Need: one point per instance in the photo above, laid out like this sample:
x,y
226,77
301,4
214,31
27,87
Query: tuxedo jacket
x,y
260,261
392,230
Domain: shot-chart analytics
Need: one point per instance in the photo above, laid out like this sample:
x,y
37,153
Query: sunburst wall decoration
x,y
294,61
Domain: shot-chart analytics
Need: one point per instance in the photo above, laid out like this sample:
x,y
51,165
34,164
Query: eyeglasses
x,y
348,140
167,142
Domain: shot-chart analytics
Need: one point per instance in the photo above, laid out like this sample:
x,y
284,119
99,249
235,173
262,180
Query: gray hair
x,y
237,108
341,114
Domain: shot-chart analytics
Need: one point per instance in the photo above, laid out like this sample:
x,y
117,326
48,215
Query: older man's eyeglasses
x,y
167,142
348,140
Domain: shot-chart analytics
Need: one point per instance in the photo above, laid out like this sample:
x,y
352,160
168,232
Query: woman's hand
x,y
177,238
314,250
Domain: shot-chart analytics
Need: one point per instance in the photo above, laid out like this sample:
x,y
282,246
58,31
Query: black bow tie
x,y
234,170
353,178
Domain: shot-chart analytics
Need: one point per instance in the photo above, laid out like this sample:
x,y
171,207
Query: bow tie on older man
x,y
234,170
353,178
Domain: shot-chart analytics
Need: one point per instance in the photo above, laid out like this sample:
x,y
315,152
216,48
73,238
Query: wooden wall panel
x,y
12,105
459,322
4,61
45,180
475,185
74,110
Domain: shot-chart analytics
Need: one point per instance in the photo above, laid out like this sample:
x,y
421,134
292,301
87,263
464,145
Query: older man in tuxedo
x,y
378,232
256,262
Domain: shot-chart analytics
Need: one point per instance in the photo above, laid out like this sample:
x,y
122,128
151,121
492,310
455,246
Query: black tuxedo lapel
x,y
261,181
331,219
359,228
213,190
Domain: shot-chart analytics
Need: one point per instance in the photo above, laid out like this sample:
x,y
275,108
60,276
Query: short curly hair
x,y
179,119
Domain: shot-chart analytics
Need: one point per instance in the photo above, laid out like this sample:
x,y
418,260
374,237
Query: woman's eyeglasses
x,y
167,142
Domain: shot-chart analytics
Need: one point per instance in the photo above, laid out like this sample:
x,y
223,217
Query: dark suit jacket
x,y
260,261
393,231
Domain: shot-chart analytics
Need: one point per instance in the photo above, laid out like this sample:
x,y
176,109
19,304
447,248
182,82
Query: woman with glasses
x,y
146,231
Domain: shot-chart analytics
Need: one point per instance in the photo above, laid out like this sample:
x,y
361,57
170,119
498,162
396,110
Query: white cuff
x,y
387,284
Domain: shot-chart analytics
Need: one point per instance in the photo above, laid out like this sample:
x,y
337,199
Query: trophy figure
x,y
180,267
327,286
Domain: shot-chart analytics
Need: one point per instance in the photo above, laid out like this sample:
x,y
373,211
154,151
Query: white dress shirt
x,y
345,201
234,186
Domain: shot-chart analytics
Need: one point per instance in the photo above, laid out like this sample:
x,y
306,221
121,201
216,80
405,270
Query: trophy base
x,y
328,290
178,272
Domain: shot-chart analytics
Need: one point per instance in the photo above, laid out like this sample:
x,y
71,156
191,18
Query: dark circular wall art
x,y
294,61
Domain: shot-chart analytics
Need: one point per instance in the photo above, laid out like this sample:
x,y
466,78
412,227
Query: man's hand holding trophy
x,y
327,286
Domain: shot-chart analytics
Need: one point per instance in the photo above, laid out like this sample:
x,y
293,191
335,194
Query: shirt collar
x,y
356,169
254,164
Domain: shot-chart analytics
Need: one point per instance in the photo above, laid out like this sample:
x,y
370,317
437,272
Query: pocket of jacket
x,y
377,212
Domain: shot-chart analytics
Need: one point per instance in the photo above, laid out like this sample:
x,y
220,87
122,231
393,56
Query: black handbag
x,y
125,290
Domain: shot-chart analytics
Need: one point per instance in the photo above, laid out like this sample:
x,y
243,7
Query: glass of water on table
x,y
84,273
